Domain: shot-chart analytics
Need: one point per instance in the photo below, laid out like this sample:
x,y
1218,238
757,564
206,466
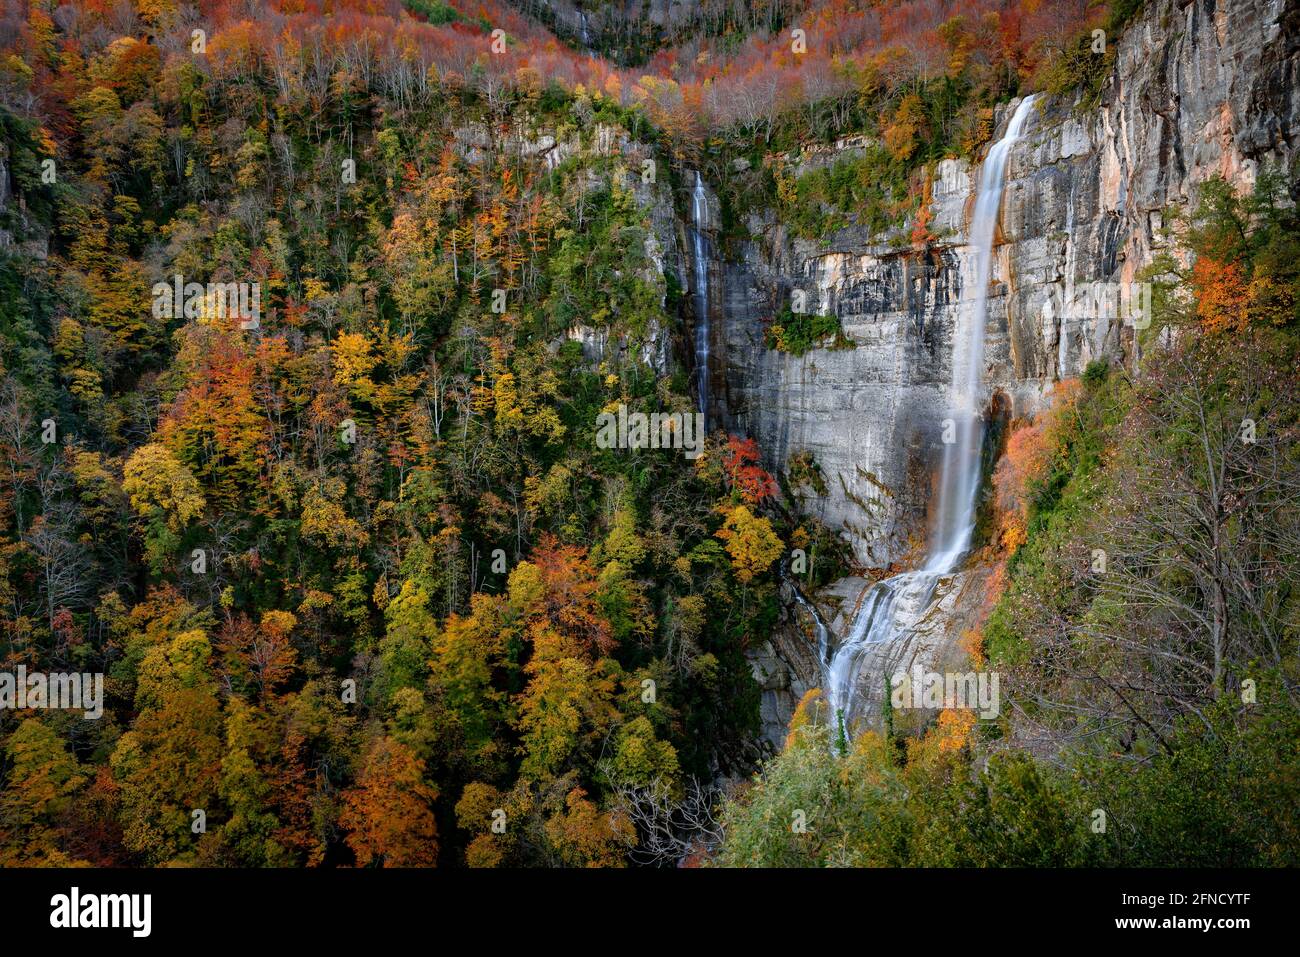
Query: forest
x,y
309,312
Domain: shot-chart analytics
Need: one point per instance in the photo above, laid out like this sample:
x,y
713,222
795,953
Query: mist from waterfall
x,y
894,605
699,218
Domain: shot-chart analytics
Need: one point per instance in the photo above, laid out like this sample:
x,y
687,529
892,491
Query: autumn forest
x,y
309,312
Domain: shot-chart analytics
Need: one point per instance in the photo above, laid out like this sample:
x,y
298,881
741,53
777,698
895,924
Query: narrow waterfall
x,y
819,626
699,219
894,605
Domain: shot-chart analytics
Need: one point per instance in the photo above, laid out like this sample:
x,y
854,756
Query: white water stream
x,y
699,217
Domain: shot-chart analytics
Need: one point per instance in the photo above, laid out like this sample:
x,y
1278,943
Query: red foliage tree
x,y
746,477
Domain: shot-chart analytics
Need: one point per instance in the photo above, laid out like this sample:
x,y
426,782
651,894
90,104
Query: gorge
x,y
775,434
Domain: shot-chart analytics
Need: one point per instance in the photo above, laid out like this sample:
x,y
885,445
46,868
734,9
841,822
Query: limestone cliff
x,y
1198,88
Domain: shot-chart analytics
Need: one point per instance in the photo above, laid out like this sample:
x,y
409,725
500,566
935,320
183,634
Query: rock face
x,y
1198,88
548,149
606,24
14,219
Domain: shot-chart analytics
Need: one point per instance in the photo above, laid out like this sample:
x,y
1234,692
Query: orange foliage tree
x,y
389,813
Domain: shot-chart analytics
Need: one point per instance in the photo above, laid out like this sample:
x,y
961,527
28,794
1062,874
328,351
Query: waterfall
x,y
893,606
699,219
960,471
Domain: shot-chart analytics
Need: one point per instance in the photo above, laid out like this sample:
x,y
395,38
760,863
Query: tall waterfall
x,y
894,605
960,472
699,219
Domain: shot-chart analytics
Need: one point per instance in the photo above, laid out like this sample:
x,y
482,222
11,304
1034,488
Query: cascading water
x,y
699,218
894,605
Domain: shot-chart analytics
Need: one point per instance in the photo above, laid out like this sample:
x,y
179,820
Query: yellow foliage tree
x,y
353,364
158,482
751,543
